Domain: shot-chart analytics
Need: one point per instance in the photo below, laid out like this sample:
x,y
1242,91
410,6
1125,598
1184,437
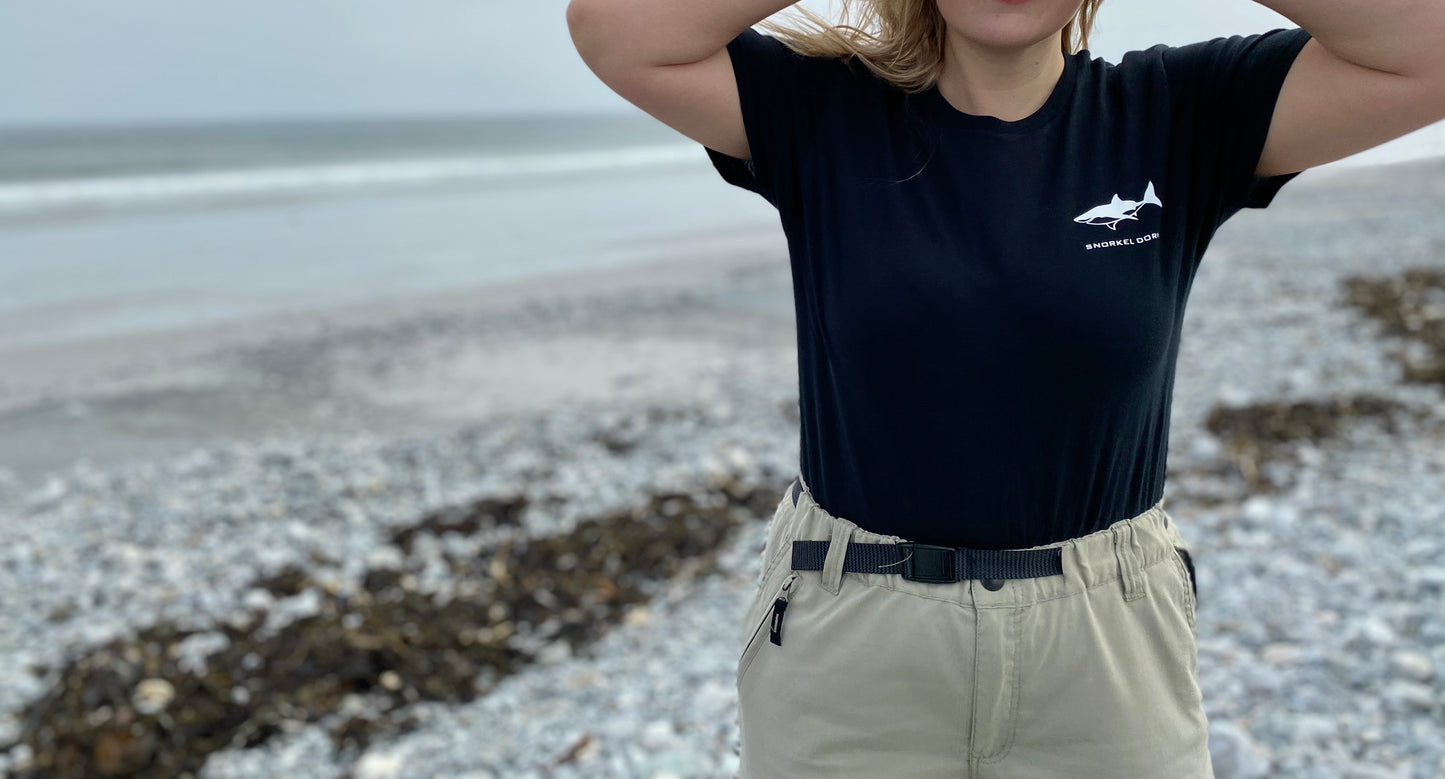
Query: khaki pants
x,y
1091,674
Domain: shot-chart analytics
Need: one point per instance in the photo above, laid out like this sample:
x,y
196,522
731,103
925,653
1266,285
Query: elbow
x,y
577,13
582,25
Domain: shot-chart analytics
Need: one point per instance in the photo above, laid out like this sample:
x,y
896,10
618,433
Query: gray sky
x,y
139,60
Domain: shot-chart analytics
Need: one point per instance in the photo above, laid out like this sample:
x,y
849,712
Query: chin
x,y
1005,36
1002,25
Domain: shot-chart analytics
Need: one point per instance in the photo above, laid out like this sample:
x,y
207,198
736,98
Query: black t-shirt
x,y
988,312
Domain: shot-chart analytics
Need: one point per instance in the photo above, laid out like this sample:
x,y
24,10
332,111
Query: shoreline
x,y
387,364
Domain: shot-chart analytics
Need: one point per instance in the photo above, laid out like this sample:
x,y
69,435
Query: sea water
x,y
107,230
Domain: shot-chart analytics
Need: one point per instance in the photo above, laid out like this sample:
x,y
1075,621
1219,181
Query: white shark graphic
x,y
1117,210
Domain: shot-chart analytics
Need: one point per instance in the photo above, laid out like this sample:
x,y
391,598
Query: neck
x,y
1009,84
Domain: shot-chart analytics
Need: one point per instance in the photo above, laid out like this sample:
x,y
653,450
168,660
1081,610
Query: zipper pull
x,y
775,632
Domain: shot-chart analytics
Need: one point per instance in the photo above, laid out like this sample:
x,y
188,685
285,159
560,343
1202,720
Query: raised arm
x,y
670,58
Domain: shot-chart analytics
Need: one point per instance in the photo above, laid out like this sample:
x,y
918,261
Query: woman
x,y
992,237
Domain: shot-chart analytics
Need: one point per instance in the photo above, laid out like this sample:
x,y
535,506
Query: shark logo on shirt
x,y
1118,210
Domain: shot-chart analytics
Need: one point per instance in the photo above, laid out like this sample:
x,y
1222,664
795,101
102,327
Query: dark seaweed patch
x,y
135,708
1259,432
1412,307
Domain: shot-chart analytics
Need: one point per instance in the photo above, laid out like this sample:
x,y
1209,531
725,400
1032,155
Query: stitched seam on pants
x,y
1187,604
973,697
783,552
1014,642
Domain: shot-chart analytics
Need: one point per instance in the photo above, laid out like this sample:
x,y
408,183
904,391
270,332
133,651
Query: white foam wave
x,y
60,195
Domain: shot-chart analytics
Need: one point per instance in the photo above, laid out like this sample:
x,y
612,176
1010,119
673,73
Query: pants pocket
x,y
1189,566
1185,563
768,622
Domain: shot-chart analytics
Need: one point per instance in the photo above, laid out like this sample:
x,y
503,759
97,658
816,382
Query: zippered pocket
x,y
1184,563
772,619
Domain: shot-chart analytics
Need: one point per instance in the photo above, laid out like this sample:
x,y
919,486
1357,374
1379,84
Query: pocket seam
x,y
1187,600
754,646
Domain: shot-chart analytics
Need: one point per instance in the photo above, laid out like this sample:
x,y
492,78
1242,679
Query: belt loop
x,y
1130,555
837,553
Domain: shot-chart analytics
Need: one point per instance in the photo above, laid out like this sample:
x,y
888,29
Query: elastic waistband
x,y
1114,555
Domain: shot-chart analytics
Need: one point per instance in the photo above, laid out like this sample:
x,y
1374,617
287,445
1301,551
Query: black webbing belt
x,y
932,563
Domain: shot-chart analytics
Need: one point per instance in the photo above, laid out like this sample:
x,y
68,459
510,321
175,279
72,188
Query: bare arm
x,y
1372,72
670,58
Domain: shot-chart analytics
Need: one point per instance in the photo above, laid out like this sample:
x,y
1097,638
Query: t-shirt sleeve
x,y
1222,95
780,92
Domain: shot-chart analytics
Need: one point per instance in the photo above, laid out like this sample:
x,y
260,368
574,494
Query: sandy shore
x,y
398,366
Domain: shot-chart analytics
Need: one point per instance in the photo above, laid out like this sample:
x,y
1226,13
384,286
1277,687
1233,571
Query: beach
x,y
156,485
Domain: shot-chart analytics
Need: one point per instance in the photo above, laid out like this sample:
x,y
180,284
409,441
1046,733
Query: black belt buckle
x,y
927,563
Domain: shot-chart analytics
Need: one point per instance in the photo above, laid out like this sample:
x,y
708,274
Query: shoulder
x,y
820,75
1183,61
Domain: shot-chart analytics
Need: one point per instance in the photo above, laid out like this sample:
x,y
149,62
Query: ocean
x,y
107,230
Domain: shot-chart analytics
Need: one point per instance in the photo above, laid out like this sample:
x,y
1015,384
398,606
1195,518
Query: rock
x,y
1235,754
1315,728
657,734
1205,447
555,652
153,695
378,765
1413,665
1411,695
679,763
1281,653
51,494
192,652
1258,509
1372,771
1376,630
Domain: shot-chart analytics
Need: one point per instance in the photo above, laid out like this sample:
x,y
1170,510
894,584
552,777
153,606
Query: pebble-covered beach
x,y
1306,470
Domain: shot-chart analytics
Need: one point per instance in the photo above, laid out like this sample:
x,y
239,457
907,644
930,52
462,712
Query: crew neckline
x,y
954,118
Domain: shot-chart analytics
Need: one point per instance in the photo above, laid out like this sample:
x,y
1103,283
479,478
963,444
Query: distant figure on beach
x,y
973,573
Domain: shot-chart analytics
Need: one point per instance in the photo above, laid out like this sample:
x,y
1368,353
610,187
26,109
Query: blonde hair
x,y
907,50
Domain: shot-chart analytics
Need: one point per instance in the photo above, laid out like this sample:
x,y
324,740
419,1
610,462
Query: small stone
x,y
1257,509
390,680
375,765
386,558
658,733
1372,771
1235,754
258,599
1205,447
1414,665
1281,653
1377,630
153,695
679,763
555,652
1411,695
